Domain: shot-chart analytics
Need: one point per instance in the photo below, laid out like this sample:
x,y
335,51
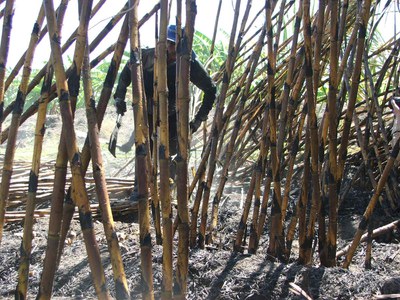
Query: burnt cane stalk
x,y
142,146
79,191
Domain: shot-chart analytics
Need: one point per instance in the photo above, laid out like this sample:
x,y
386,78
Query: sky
x,y
26,13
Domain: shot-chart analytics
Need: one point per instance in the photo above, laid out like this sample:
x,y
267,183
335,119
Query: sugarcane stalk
x,y
100,111
284,100
375,109
217,123
60,173
23,270
164,155
371,205
4,47
121,285
276,244
215,29
141,143
238,245
332,172
153,159
313,128
184,53
301,213
19,104
247,75
79,191
196,205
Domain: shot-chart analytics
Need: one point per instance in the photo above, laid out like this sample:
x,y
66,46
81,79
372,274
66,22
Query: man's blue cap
x,y
171,36
171,33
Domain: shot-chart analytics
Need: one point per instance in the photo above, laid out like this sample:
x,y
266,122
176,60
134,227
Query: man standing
x,y
198,76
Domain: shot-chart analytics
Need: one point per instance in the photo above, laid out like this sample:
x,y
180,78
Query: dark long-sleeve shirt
x,y
198,76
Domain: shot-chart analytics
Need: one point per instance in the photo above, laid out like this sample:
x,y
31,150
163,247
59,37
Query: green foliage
x,y
11,93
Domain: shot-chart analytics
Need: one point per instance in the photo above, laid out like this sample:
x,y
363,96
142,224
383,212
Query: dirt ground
x,y
215,272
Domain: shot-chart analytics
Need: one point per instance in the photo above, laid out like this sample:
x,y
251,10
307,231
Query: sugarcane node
x,y
120,290
135,57
73,82
36,29
68,198
112,71
19,103
33,182
141,150
92,103
146,241
216,200
86,220
242,225
64,95
362,32
162,152
264,210
43,130
331,249
76,159
56,39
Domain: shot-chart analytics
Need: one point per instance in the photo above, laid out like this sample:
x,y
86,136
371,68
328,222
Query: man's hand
x,y
194,125
120,104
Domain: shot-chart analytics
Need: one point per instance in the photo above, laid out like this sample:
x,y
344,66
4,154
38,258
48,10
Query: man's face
x,y
171,51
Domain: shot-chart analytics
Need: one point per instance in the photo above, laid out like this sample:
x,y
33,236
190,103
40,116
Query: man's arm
x,y
200,78
123,82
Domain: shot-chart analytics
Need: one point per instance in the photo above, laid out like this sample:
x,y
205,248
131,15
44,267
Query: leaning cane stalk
x,y
372,203
56,210
201,170
69,206
79,192
121,285
363,22
5,43
18,108
141,142
238,246
217,123
288,82
23,270
249,75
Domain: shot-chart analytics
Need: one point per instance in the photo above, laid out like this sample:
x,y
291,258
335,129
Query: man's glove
x,y
120,104
194,125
